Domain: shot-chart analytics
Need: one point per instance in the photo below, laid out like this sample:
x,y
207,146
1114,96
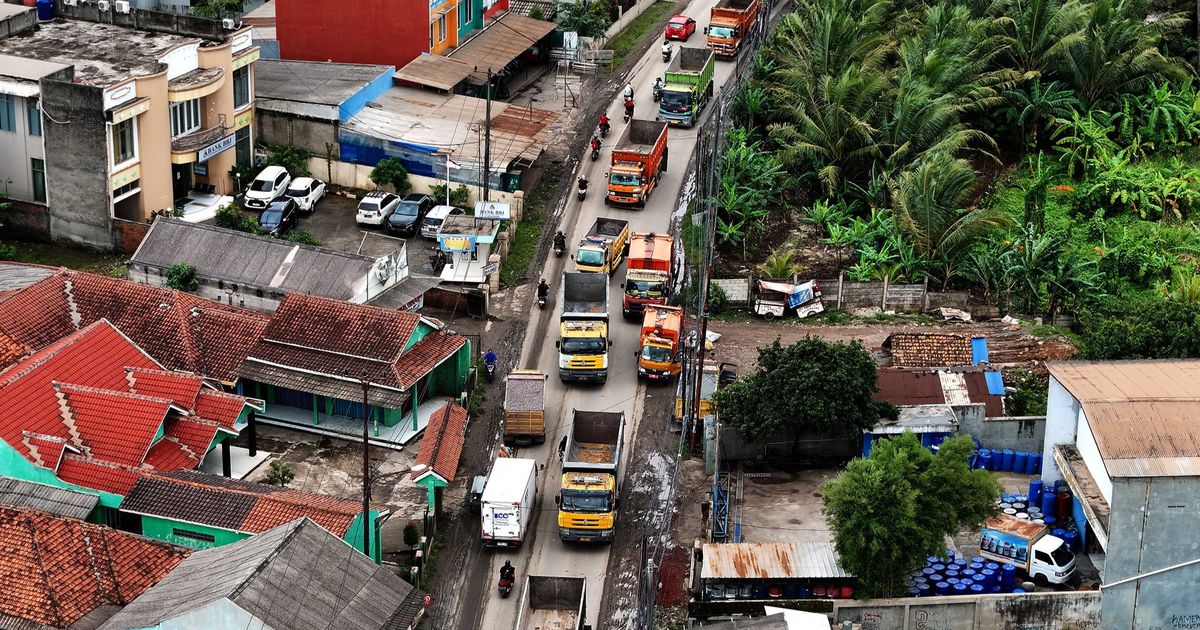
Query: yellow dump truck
x,y
583,328
524,407
591,478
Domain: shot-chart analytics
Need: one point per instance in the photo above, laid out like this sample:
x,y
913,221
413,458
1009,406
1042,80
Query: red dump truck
x,y
660,358
728,24
648,274
637,160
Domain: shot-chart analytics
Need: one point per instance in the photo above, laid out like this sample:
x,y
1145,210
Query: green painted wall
x,y
418,334
13,464
475,21
161,529
355,538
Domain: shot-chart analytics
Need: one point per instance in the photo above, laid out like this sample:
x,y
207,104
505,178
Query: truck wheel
x,y
768,316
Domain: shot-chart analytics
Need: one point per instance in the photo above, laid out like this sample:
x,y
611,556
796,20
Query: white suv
x,y
270,184
375,206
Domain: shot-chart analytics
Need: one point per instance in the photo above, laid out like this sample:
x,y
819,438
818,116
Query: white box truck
x,y
509,502
1027,546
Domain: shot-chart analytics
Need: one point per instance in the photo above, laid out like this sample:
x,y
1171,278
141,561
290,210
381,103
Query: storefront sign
x,y
492,210
220,146
200,169
457,243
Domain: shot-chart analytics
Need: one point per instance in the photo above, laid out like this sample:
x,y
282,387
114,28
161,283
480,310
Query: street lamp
x,y
450,164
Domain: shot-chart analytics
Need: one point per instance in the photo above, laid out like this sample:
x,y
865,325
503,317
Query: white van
x,y
434,219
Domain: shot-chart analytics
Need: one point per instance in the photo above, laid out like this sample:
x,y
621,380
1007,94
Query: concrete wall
x,y
1025,433
284,130
1153,526
814,449
154,150
158,21
387,32
903,298
77,164
17,148
358,176
1041,611
1062,411
18,23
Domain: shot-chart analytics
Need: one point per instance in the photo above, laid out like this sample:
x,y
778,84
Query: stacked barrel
x,y
954,574
1008,460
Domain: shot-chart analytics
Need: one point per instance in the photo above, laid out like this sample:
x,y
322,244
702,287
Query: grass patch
x,y
1046,331
430,567
641,26
106,264
529,229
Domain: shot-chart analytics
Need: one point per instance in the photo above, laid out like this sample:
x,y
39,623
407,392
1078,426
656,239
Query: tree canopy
x,y
809,385
892,509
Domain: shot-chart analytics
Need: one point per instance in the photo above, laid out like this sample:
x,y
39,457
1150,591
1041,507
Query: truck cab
x,y
602,249
729,22
638,159
583,340
587,508
1053,560
648,278
660,357
1028,546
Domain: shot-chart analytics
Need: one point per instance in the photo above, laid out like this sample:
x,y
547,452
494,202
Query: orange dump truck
x,y
639,157
648,273
660,357
728,24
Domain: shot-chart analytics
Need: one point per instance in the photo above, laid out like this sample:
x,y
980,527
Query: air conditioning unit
x,y
122,6
228,23
102,5
70,3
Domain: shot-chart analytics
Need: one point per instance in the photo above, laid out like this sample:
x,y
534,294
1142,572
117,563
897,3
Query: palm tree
x,y
1118,52
1036,104
928,200
1037,34
827,37
834,127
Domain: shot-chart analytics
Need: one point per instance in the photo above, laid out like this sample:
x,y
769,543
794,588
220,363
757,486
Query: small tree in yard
x,y
809,385
181,276
280,474
891,510
412,535
391,172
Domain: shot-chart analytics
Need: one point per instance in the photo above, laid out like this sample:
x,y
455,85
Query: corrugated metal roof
x,y
770,561
905,387
45,498
434,71
1144,415
979,350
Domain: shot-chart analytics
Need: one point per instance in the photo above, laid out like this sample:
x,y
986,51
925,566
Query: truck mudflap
x,y
567,375
571,534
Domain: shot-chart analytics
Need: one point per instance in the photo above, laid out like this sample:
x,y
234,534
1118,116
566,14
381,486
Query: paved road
x,y
546,554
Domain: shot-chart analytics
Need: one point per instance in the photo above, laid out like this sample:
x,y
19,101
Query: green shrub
x,y
304,237
412,535
182,276
391,172
718,301
1029,399
280,473
589,19
293,159
232,218
1146,327
7,252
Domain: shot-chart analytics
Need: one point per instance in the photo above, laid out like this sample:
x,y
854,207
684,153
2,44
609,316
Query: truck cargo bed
x,y
690,60
592,453
737,5
640,136
584,294
607,228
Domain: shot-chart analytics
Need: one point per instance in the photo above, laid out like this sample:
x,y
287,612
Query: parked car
x,y
279,217
434,219
307,192
375,206
270,185
680,27
407,217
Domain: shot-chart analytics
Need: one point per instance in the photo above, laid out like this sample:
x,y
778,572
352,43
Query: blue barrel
x,y
959,589
1061,485
928,571
977,589
950,573
1035,491
989,578
977,566
1034,465
1050,521
1072,539
1059,533
939,567
993,566
914,591
952,581
941,588
961,563
937,577
968,574
1020,460
983,458
1018,590
1006,464
805,592
45,10
976,560
1048,504
924,590
760,592
1008,577
930,560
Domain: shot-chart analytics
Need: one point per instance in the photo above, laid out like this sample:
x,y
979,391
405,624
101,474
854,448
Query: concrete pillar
x,y
518,205
226,465
502,241
494,278
252,426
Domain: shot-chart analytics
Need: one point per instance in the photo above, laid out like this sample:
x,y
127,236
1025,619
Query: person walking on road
x,y
562,448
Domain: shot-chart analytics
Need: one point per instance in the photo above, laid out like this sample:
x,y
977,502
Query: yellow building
x,y
136,113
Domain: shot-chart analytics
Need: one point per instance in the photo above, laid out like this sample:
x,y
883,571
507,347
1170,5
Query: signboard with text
x,y
220,146
492,210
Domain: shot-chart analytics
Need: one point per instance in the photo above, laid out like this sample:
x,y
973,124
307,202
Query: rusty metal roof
x,y
907,387
929,349
765,561
1144,415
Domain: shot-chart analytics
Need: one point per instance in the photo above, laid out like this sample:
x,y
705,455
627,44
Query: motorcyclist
x,y
560,240
543,289
666,48
508,571
604,123
583,183
595,142
658,85
629,91
490,358
629,108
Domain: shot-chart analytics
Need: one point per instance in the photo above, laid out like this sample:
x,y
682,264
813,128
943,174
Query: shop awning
x,y
435,71
499,43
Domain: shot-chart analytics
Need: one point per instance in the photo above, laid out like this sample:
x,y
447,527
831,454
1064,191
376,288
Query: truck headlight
x,y
641,370
564,532
606,533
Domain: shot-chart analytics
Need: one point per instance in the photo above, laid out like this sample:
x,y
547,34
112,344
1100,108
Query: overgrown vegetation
x,y
231,217
650,20
217,9
181,276
1039,153
523,247
460,196
589,18
890,511
280,473
293,159
391,172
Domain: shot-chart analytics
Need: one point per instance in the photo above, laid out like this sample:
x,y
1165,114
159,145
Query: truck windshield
x,y
583,345
590,257
644,288
1062,556
676,102
722,32
596,502
656,354
625,179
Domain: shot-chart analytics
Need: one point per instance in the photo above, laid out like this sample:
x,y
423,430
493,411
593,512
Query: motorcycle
x,y
581,191
504,586
490,367
628,109
604,127
437,261
666,52
541,301
658,90
595,156
508,575
560,244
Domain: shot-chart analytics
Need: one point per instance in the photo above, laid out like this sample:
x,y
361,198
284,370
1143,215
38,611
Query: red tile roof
x,y
115,427
443,442
11,350
181,331
55,570
232,504
181,389
427,354
77,391
97,475
356,330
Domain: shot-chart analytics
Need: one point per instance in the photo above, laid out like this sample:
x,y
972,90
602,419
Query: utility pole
x,y
487,139
367,524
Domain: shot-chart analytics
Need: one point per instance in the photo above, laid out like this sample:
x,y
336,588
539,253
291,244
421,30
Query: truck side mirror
x,y
572,256
610,342
557,344
706,30
557,501
622,285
